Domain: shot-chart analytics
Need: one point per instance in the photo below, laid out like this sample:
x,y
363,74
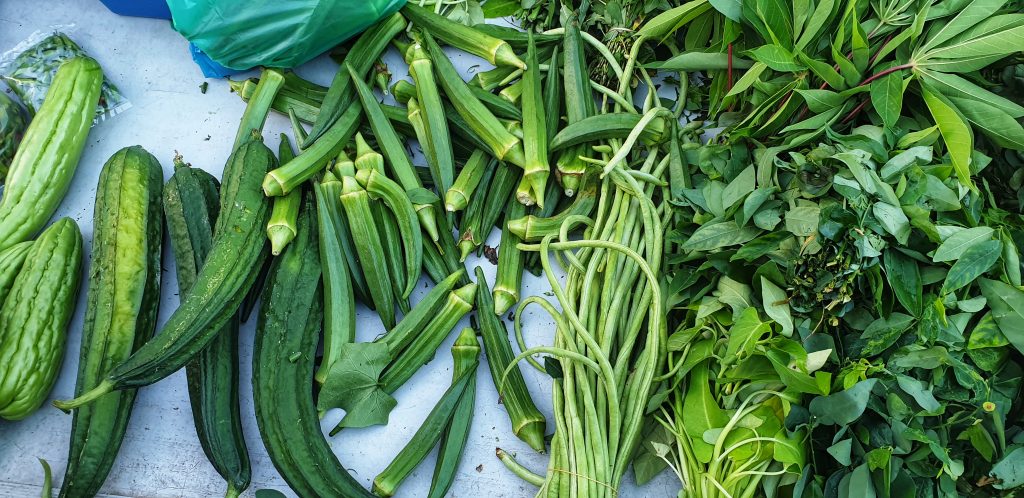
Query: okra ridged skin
x,y
11,260
123,299
238,251
285,349
45,163
34,319
466,356
528,423
191,207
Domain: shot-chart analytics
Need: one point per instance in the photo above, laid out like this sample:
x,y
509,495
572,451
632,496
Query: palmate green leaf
x,y
954,86
719,235
844,407
974,262
955,133
700,61
887,97
904,278
1007,305
956,244
353,384
997,125
973,13
776,305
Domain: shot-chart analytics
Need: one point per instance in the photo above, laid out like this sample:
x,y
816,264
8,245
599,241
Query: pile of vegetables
x,y
798,274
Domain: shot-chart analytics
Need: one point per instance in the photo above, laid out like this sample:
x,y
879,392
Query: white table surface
x,y
160,456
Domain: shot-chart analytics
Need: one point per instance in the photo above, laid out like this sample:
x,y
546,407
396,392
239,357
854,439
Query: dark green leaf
x,y
887,97
972,264
955,245
1007,304
883,332
997,125
353,385
775,57
1009,470
500,8
844,407
955,133
904,278
920,392
718,235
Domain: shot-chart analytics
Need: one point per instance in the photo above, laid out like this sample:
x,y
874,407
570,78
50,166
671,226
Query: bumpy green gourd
x,y
123,301
11,260
282,377
34,317
238,251
48,155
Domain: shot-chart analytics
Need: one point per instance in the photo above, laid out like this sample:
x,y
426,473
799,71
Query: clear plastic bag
x,y
29,67
273,33
13,122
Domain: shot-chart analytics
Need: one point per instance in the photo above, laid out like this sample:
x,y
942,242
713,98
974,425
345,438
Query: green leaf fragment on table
x,y
973,263
353,384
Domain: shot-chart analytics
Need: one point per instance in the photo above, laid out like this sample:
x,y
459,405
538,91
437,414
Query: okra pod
x,y
427,309
535,134
428,435
502,108
284,216
515,37
313,159
338,295
489,80
382,187
391,241
517,468
612,125
460,36
356,201
422,347
579,105
503,144
532,228
419,126
305,108
440,158
524,194
498,193
512,92
510,264
364,53
366,157
470,221
391,145
528,423
553,97
458,196
258,107
329,189
466,355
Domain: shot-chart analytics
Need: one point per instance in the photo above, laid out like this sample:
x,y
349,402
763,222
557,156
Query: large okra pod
x,y
123,300
510,264
339,298
282,377
391,146
502,144
439,418
238,251
494,50
527,422
366,237
535,134
191,207
41,171
281,229
457,197
466,356
34,318
441,158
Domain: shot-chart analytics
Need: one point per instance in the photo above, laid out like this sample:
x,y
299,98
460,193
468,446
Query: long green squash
x,y
46,160
238,250
34,318
286,339
11,260
191,208
123,300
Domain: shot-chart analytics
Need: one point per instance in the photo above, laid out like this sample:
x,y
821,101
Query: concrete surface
x,y
160,457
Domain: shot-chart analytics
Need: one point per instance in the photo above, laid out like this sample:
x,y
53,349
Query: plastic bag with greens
x,y
12,126
29,68
273,33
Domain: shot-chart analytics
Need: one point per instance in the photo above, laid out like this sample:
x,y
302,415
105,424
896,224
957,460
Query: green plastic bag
x,y
273,33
